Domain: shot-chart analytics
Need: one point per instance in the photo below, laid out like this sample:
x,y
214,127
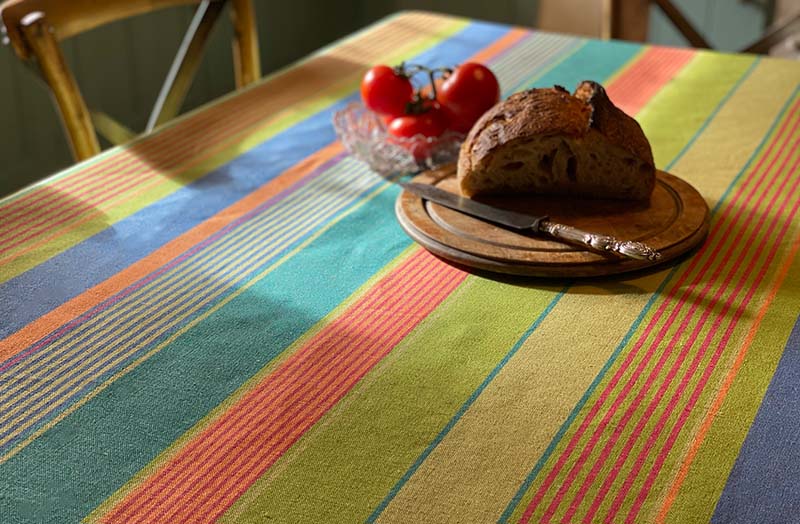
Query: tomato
x,y
468,93
431,123
385,91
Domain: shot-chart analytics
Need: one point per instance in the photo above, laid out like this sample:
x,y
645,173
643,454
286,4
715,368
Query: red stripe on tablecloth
x,y
634,88
333,367
719,398
640,342
317,384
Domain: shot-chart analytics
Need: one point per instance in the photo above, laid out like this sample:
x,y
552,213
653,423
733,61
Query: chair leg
x,y
77,122
110,129
187,60
629,19
246,60
682,24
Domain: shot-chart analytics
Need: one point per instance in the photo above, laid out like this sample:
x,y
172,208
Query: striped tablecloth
x,y
224,321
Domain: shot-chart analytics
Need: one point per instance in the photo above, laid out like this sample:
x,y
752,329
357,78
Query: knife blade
x,y
538,224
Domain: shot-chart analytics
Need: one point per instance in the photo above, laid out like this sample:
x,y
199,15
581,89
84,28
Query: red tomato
x,y
431,123
386,92
468,93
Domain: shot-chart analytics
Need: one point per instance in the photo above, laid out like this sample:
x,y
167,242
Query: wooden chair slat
x,y
34,29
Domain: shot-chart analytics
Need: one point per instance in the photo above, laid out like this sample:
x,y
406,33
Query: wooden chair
x,y
34,29
629,20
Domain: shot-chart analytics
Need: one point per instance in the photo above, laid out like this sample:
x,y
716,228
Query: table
x,y
223,320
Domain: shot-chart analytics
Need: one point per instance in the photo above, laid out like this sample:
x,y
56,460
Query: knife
x,y
538,224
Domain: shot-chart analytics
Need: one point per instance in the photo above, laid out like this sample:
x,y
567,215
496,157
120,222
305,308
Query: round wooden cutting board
x,y
674,221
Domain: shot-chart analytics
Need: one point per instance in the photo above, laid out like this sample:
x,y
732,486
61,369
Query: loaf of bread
x,y
547,141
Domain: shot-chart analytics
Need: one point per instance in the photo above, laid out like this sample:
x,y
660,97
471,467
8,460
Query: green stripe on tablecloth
x,y
366,441
694,91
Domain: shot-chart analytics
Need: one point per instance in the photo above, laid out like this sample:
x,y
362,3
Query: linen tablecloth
x,y
224,320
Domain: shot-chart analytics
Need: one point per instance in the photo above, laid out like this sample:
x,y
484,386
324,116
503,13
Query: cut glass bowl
x,y
364,134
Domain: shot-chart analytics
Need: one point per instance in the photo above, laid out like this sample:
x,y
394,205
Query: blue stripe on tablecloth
x,y
77,362
764,484
99,257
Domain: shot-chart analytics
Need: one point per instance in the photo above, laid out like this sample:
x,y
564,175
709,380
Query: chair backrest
x,y
34,28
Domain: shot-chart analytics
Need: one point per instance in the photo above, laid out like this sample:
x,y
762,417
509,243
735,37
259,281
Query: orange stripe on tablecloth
x,y
253,433
699,438
90,298
632,89
501,44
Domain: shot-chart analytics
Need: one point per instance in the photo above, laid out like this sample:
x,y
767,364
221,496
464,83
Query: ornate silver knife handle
x,y
596,242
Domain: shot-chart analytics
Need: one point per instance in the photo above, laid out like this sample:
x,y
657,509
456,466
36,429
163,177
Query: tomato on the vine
x,y
431,123
468,93
453,100
386,91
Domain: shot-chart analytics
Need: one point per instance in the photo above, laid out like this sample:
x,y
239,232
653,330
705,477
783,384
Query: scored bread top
x,y
619,128
550,112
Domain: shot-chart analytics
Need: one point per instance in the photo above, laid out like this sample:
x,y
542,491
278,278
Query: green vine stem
x,y
409,70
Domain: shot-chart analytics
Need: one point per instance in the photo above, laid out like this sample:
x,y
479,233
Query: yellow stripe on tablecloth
x,y
716,156
476,469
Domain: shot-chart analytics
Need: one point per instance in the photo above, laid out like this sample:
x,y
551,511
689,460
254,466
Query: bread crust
x,y
548,141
